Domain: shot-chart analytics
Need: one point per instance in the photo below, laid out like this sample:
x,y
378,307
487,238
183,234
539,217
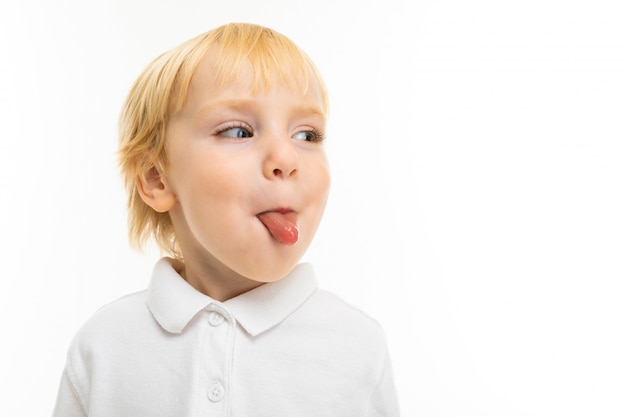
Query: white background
x,y
478,154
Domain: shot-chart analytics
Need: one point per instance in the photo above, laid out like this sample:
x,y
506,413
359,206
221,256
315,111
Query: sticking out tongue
x,y
282,226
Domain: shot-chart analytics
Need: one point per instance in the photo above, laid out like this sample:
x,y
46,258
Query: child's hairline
x,y
183,79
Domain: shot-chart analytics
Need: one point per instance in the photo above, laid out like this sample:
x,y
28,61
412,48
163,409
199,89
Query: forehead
x,y
211,81
250,72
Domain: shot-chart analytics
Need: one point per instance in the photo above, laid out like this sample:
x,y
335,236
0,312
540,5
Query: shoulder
x,y
359,342
328,314
100,340
122,312
328,305
110,328
124,304
349,343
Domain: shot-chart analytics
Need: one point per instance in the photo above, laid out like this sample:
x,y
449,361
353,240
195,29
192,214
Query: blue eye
x,y
309,136
236,132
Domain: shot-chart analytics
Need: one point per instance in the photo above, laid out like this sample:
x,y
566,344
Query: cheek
x,y
211,176
321,179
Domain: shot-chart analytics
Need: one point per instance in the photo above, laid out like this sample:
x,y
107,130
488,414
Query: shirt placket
x,y
217,360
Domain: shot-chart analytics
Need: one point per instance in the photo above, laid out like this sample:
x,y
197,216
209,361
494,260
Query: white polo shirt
x,y
284,349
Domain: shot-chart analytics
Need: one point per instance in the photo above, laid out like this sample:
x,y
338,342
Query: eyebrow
x,y
227,104
247,105
307,109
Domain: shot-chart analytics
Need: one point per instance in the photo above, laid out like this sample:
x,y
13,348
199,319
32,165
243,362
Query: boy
x,y
221,149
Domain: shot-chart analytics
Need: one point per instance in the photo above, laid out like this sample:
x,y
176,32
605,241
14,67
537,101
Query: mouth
x,y
282,224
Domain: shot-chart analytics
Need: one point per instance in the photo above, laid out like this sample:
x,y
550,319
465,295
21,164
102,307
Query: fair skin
x,y
232,156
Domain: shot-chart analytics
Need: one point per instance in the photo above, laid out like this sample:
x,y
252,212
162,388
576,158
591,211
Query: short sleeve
x,y
384,400
68,404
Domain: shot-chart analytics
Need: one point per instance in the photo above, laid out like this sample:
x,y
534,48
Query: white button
x,y
216,391
215,319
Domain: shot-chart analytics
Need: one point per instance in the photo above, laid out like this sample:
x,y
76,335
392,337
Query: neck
x,y
219,283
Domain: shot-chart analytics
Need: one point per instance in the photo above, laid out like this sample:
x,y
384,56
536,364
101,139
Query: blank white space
x,y
478,151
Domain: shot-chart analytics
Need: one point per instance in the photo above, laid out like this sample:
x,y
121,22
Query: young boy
x,y
222,152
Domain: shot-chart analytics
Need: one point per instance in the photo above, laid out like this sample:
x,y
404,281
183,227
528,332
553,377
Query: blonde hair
x,y
162,89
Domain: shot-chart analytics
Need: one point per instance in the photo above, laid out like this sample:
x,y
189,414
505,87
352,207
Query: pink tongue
x,y
282,226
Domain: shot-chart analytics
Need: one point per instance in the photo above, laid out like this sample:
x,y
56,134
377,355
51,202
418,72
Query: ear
x,y
154,190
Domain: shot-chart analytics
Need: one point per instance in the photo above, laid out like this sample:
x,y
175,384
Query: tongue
x,y
282,226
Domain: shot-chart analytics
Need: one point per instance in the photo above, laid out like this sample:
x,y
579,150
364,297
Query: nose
x,y
281,159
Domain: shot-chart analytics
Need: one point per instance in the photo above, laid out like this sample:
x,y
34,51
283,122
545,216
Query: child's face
x,y
233,156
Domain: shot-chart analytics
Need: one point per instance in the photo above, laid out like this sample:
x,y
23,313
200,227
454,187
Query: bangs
x,y
273,58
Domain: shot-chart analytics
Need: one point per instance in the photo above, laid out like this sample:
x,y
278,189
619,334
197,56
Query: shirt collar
x,y
173,302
